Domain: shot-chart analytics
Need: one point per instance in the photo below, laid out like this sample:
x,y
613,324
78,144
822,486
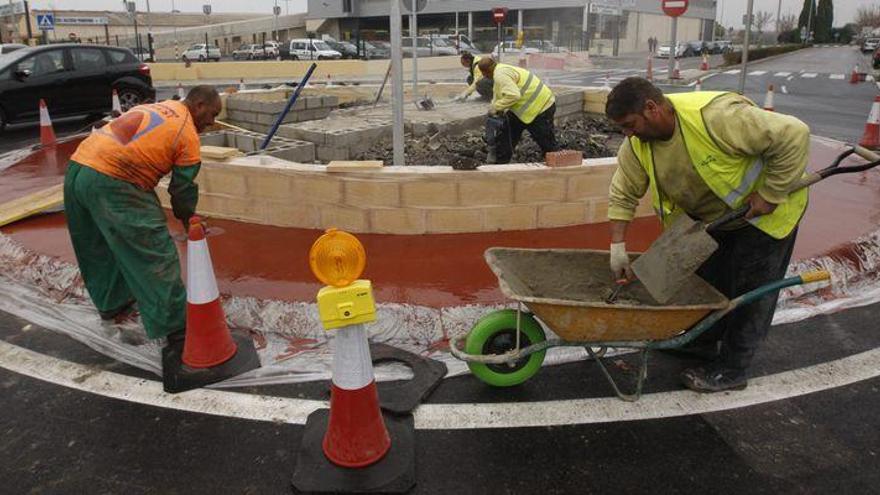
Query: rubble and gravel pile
x,y
595,136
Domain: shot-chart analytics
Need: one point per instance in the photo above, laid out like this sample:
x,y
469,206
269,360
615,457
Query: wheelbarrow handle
x,y
808,180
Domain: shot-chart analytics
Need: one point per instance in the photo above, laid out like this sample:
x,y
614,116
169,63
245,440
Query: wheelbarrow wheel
x,y
495,333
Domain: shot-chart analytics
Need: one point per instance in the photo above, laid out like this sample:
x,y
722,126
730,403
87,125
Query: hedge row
x,y
734,58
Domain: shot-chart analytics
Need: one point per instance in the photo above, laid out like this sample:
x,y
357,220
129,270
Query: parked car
x,y
202,53
460,42
345,48
73,78
377,49
272,49
694,48
545,46
876,58
723,46
10,47
424,47
249,52
870,44
680,48
309,49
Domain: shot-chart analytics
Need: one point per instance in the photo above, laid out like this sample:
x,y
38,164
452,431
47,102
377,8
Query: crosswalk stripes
x,y
835,76
757,72
809,75
734,71
782,74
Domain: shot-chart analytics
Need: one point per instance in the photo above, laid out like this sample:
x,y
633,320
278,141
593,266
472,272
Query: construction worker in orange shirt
x,y
117,226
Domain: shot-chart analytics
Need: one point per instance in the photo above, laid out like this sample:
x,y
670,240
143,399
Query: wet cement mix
x,y
595,136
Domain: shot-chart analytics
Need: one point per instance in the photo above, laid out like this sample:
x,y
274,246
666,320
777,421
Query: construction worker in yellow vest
x,y
476,82
524,103
703,154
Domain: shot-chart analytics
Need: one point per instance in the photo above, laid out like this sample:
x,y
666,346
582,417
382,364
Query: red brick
x,y
564,158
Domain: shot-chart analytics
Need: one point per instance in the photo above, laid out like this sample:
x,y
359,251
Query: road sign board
x,y
605,9
407,5
82,21
206,9
675,8
11,9
498,14
46,22
276,10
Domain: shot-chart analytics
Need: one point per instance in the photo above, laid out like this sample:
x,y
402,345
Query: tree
x,y
787,23
824,19
868,16
761,20
808,16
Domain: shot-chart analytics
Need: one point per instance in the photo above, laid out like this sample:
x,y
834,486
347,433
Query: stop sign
x,y
674,8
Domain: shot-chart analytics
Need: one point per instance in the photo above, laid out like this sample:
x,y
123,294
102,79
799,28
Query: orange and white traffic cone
x,y
329,81
47,134
704,65
209,352
116,109
208,341
180,94
871,137
676,70
650,75
356,435
768,100
854,75
241,85
699,85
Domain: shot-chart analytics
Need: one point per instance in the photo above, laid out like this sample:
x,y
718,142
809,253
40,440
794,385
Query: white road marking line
x,y
809,75
784,89
782,74
734,71
757,72
788,384
789,78
835,76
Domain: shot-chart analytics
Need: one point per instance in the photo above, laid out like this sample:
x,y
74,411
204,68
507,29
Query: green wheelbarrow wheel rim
x,y
496,333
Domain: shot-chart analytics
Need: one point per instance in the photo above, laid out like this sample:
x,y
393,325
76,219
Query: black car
x,y
74,79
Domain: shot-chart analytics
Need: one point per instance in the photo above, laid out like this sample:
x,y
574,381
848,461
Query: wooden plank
x,y
220,152
354,165
31,204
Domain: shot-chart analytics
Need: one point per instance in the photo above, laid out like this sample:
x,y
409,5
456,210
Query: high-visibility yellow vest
x,y
535,95
731,178
474,70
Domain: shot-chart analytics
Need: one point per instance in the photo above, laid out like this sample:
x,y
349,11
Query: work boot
x,y
118,313
709,379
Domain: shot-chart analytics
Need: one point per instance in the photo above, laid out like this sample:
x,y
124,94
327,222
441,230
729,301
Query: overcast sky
x,y
730,12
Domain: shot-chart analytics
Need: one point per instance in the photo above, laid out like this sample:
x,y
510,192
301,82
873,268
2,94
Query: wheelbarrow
x,y
566,290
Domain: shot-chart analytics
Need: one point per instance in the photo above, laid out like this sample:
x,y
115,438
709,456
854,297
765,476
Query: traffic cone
x,y
871,137
768,100
116,108
209,352
650,74
704,65
47,134
208,341
676,70
699,85
241,86
329,81
180,94
854,75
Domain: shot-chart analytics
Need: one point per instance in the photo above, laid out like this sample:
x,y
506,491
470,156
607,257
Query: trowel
x,y
683,247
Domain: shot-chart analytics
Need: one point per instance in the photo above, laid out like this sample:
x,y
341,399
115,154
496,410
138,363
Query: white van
x,y
311,49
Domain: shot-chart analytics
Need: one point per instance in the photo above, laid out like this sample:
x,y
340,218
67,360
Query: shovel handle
x,y
866,153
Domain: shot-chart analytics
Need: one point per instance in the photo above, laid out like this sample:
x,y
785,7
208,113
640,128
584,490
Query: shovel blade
x,y
673,258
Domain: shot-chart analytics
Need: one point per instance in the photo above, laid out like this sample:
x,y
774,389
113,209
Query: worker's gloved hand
x,y
620,268
759,206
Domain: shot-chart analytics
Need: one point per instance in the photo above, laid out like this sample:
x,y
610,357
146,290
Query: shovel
x,y
683,247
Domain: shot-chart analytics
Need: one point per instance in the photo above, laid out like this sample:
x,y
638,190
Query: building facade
x,y
574,24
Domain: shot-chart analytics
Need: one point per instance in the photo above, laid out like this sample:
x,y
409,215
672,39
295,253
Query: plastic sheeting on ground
x,y
293,347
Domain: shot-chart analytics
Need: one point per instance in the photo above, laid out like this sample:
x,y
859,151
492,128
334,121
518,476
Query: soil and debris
x,y
595,136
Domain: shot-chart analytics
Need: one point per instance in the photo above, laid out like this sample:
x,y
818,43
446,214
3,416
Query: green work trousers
x,y
123,248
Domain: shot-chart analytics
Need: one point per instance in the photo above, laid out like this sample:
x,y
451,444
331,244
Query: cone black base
x,y
402,396
394,473
178,377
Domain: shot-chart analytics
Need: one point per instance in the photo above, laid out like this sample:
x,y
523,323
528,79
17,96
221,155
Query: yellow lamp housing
x,y
349,305
337,258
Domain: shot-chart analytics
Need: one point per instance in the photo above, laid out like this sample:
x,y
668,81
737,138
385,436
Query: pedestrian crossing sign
x,y
46,22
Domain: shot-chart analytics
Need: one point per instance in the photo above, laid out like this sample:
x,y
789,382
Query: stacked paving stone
x,y
569,104
249,143
258,114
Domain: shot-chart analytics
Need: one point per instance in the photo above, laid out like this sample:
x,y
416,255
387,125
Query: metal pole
x,y
149,33
673,46
471,26
745,55
457,39
778,11
275,22
397,85
810,22
414,32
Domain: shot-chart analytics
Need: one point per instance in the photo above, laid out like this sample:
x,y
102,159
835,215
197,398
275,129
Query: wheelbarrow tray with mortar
x,y
566,290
